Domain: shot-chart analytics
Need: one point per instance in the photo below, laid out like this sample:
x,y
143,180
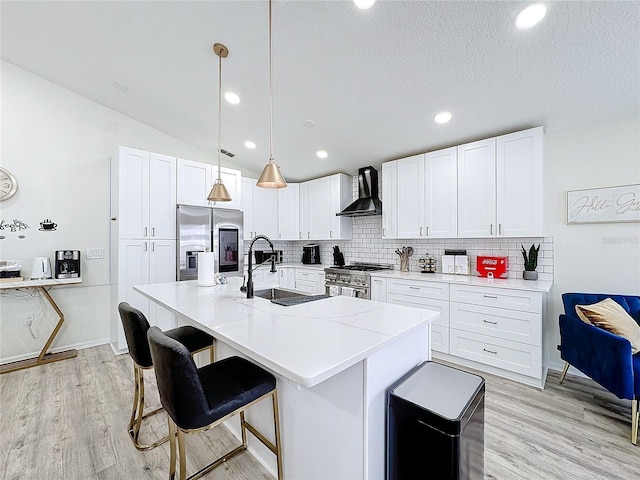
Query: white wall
x,y
599,258
57,144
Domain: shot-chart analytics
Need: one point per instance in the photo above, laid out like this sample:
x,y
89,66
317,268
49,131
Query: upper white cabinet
x,y
500,186
320,200
389,200
426,192
265,211
195,180
261,210
289,212
477,189
519,158
441,193
411,197
194,183
143,193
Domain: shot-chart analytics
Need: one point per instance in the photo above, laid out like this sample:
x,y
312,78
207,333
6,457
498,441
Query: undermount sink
x,y
276,293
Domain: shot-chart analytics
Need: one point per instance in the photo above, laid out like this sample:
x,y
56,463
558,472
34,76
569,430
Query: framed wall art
x,y
604,205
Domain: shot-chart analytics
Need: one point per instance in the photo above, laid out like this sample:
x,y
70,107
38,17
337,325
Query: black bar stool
x,y
135,327
197,399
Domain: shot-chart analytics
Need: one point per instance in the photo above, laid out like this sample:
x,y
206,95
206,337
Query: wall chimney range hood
x,y
368,202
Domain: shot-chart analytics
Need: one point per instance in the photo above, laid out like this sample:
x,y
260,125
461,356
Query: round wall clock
x,y
8,184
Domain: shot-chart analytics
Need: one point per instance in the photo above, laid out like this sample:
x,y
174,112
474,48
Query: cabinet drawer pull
x,y
490,296
490,351
330,233
384,234
500,228
145,246
414,288
145,231
492,323
153,246
420,231
491,229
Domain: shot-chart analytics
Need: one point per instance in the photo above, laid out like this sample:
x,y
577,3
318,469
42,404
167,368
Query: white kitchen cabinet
x,y
441,193
289,212
519,202
303,216
194,183
411,197
260,208
500,328
477,189
325,197
500,186
287,278
139,262
426,295
247,207
143,194
379,289
195,180
390,199
426,196
309,280
264,212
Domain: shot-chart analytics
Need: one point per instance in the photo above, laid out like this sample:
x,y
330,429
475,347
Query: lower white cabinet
x,y
309,280
499,327
139,262
427,295
379,289
495,329
287,278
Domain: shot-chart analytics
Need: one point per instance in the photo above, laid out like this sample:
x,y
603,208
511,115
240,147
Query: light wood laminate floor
x,y
67,420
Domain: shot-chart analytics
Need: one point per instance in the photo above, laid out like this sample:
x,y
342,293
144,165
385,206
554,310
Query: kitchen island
x,y
333,359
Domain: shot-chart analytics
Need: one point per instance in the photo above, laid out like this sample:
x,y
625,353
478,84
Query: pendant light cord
x,y
270,92
219,108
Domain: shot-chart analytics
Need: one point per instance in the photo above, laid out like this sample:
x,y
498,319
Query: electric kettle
x,y
41,268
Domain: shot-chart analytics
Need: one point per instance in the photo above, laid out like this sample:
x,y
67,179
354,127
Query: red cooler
x,y
493,267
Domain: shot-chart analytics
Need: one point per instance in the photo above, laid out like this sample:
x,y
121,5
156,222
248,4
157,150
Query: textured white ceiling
x,y
371,80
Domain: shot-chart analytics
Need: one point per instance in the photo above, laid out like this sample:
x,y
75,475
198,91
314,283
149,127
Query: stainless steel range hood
x,y
368,202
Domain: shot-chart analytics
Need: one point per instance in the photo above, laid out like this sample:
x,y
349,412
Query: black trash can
x,y
435,425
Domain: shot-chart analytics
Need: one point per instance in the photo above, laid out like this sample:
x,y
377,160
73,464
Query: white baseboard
x,y
77,346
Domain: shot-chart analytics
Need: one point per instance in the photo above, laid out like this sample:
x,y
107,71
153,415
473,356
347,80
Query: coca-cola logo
x,y
489,261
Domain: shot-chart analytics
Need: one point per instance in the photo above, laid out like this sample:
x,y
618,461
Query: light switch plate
x,y
94,253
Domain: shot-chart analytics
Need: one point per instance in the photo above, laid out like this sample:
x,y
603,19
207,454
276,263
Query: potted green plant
x,y
530,262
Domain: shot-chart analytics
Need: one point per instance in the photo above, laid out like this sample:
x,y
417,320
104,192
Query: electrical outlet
x,y
93,253
28,319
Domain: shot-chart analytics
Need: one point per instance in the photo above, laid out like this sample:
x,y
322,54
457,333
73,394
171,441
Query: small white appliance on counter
x,y
41,268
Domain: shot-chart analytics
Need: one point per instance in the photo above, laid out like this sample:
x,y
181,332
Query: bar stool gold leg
x,y
172,449
276,419
137,413
183,457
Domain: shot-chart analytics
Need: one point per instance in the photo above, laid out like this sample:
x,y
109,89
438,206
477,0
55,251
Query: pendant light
x,y
271,176
219,192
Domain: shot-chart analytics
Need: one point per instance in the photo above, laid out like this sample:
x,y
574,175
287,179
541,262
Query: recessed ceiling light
x,y
249,144
322,154
530,16
364,4
232,98
309,123
442,117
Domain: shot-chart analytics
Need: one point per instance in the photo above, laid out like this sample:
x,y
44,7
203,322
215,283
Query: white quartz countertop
x,y
306,343
47,282
513,283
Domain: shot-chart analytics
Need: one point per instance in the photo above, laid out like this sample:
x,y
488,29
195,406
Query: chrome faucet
x,y
249,287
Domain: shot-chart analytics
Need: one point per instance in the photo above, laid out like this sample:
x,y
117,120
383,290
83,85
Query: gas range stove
x,y
354,277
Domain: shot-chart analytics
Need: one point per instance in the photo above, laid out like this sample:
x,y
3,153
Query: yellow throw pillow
x,y
610,316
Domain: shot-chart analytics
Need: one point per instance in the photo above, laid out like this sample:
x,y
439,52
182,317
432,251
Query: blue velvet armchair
x,y
602,356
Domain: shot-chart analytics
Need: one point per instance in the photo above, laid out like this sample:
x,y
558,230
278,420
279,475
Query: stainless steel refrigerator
x,y
205,229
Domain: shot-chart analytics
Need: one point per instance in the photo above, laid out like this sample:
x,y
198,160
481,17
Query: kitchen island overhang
x,y
333,358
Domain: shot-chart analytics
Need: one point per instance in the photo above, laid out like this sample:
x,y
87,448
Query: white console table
x,y
44,357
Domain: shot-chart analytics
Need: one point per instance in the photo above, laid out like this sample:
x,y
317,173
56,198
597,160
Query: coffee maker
x,y
311,253
67,264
